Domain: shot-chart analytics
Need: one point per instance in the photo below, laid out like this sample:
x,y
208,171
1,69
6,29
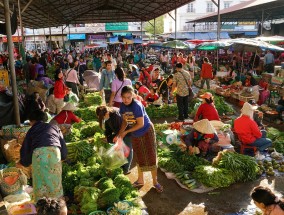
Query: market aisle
x,y
178,201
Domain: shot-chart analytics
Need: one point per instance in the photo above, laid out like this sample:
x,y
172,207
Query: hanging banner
x,y
76,36
116,26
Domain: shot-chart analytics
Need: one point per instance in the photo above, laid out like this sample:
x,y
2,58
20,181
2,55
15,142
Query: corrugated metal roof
x,y
52,13
254,10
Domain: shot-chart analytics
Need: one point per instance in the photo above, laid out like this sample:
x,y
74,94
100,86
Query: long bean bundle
x,y
243,167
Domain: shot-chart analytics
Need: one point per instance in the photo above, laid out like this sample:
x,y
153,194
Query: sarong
x,y
47,173
145,149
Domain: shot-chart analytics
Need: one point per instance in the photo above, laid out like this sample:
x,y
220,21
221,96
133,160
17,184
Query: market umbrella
x,y
211,46
275,40
176,44
253,45
191,46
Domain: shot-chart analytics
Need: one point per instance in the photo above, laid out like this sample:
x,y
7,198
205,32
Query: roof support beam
x,y
171,16
27,5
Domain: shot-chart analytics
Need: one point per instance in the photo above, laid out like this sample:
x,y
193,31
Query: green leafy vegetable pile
x,y
161,112
244,168
277,138
79,151
87,113
213,176
174,160
84,176
93,99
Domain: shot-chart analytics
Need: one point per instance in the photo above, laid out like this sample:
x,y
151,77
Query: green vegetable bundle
x,y
87,114
108,197
244,168
277,138
191,161
213,176
161,127
70,178
79,151
99,140
105,183
93,99
74,135
161,112
87,198
89,129
171,165
221,106
274,133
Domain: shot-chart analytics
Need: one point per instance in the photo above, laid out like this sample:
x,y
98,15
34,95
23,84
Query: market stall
x,y
91,175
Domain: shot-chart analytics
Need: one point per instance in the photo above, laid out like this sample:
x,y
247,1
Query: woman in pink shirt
x,y
142,89
267,201
71,78
116,86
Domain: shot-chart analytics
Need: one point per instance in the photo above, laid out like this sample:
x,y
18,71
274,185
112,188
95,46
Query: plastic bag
x,y
116,156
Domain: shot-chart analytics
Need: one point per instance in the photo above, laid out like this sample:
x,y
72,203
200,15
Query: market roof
x,y
253,10
52,13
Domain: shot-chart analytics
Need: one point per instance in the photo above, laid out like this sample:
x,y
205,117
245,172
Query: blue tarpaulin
x,y
113,40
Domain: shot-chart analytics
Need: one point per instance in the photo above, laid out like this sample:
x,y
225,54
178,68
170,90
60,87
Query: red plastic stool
x,y
246,146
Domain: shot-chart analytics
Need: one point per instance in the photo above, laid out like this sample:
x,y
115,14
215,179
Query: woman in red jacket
x,y
207,109
60,90
249,133
66,118
206,73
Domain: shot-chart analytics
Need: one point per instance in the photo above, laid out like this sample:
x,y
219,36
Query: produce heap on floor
x,y
85,178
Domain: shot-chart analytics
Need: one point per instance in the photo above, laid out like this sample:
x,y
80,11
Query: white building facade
x,y
197,9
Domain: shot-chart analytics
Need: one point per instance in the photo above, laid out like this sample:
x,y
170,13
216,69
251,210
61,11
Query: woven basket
x,y
17,186
15,131
11,149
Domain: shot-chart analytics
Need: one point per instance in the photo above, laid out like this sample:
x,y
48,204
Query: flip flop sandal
x,y
159,188
136,184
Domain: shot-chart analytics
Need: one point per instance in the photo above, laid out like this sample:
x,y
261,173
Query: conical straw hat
x,y
217,124
204,127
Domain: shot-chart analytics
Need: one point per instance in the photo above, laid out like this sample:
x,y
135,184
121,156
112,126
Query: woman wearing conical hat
x,y
202,136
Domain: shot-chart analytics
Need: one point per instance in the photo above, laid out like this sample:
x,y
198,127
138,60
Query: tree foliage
x,y
149,28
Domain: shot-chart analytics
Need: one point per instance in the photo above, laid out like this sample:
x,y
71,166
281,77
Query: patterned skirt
x,y
47,173
145,150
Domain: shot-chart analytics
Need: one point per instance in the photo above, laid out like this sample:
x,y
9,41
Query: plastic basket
x,y
127,210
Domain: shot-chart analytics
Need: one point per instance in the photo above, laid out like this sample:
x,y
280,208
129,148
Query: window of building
x,y
210,7
190,8
227,4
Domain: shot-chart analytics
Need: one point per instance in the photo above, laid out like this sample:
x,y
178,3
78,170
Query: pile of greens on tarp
x,y
227,168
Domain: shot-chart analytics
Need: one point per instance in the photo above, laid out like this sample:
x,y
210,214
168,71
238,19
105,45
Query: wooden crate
x,y
4,78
